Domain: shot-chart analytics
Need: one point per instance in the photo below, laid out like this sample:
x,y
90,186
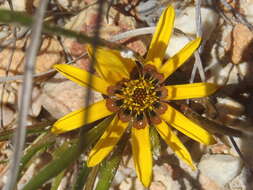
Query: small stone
x,y
61,96
220,168
229,74
241,182
36,101
240,44
48,55
8,116
229,110
162,178
207,183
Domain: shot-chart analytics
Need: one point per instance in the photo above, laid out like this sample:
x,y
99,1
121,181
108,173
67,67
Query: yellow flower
x,y
137,97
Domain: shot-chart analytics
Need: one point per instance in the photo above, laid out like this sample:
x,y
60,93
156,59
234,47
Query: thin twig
x,y
19,34
94,43
198,63
237,15
117,37
240,154
20,135
133,33
7,72
21,77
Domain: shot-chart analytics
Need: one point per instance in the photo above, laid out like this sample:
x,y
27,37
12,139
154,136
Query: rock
x,y
49,54
8,116
241,182
17,5
220,168
241,44
149,11
36,101
247,7
61,96
162,179
228,74
207,183
186,23
229,110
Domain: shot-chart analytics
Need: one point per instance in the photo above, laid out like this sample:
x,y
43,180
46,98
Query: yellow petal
x,y
161,37
142,154
173,141
106,143
177,60
82,77
77,118
186,126
111,65
194,90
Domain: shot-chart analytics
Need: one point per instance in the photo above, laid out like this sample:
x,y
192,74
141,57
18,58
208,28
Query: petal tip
x,y
146,182
197,41
171,9
91,162
56,131
211,141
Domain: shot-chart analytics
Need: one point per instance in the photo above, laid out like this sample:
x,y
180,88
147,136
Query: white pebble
x,y
186,23
220,168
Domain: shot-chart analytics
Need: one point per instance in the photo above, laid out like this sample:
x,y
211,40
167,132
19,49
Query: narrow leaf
x,y
66,157
109,167
82,177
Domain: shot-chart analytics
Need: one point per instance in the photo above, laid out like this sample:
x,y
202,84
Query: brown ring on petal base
x,y
125,115
140,121
161,108
162,92
138,99
112,105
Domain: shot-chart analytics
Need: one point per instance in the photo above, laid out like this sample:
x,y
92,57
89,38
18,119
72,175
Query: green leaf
x,y
66,155
81,178
92,178
155,142
109,167
31,130
57,181
41,142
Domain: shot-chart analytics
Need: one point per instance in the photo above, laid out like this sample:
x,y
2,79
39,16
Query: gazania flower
x,y
137,97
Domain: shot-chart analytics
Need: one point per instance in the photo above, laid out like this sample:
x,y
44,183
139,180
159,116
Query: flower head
x,y
138,97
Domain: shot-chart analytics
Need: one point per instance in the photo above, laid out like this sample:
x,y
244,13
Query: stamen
x,y
139,98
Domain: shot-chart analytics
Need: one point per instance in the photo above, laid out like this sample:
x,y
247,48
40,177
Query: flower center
x,y
138,95
139,99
